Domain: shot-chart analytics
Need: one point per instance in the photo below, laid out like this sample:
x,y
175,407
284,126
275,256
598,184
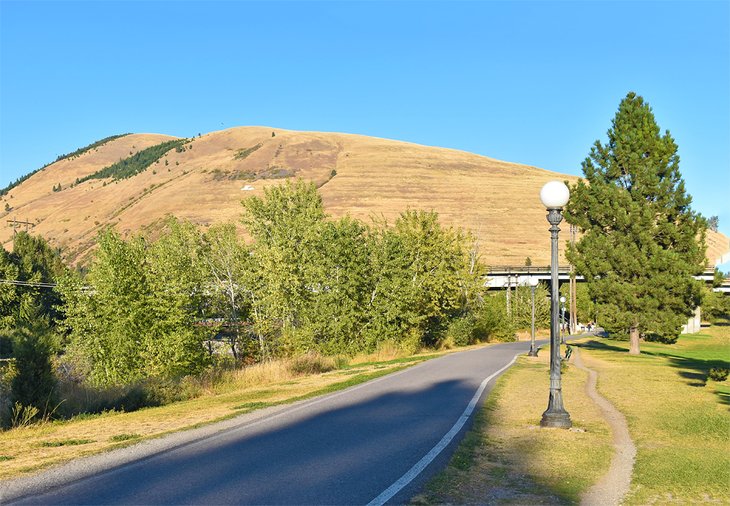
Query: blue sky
x,y
528,82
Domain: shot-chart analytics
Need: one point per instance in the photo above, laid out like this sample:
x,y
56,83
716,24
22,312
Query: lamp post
x,y
554,195
562,320
533,351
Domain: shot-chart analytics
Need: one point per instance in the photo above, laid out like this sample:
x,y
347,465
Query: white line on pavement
x,y
448,437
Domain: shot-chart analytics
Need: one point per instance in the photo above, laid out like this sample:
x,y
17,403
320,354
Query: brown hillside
x,y
498,201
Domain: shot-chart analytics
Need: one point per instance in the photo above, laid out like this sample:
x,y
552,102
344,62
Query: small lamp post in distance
x,y
554,195
562,320
533,284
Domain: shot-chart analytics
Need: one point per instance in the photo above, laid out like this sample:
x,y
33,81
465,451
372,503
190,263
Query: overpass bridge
x,y
502,277
508,277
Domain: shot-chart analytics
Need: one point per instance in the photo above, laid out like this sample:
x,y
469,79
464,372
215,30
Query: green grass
x,y
679,421
251,406
65,442
124,437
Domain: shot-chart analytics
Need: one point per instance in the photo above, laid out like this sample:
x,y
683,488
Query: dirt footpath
x,y
612,487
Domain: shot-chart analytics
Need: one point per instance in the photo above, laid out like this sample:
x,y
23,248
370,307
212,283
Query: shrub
x,y
492,322
715,306
23,416
312,363
718,373
461,331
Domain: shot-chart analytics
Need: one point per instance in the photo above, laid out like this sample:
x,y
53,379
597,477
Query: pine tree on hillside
x,y
641,242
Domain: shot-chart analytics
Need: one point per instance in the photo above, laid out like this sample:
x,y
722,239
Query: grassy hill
x,y
205,178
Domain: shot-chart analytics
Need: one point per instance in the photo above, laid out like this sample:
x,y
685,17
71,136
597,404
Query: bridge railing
x,y
511,269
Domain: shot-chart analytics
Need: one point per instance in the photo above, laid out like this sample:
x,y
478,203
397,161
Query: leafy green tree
x,y
522,307
28,313
32,262
492,321
284,225
231,281
715,305
109,320
9,296
340,283
584,302
37,263
641,240
423,277
173,344
135,318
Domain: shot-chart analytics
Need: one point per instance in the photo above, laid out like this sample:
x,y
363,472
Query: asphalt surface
x,y
345,448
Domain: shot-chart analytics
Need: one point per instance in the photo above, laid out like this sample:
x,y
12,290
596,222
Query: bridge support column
x,y
694,324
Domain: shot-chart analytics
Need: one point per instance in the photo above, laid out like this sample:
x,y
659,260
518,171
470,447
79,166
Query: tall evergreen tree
x,y
641,240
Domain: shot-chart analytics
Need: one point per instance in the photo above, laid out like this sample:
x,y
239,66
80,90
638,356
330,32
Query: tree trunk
x,y
634,340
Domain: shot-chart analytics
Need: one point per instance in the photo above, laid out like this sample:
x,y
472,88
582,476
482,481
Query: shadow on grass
x,y
503,476
594,344
725,323
694,370
724,398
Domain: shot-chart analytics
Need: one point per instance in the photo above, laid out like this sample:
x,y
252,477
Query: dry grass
x,y
375,177
506,458
25,450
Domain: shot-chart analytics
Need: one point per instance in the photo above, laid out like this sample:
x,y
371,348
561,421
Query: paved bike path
x,y
350,447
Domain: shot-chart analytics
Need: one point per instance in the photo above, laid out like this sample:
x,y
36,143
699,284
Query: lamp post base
x,y
532,352
557,419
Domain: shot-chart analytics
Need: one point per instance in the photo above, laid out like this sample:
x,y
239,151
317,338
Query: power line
x,y
27,283
30,284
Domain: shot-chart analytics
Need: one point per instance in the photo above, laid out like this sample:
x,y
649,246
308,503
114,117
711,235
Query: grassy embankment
x,y
678,420
27,449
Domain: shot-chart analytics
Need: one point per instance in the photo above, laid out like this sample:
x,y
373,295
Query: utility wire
x,y
27,283
30,284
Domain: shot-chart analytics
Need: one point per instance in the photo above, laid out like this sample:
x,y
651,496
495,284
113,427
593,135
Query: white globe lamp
x,y
554,195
